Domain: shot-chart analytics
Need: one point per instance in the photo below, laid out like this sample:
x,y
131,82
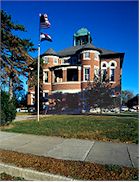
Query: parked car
x,y
124,108
31,109
132,110
95,110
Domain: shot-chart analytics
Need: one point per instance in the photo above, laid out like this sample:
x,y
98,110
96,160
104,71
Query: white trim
x,y
115,63
104,62
96,53
76,82
32,92
44,76
46,83
72,67
86,66
95,68
32,97
45,70
45,91
92,51
44,59
54,59
65,58
112,82
79,68
50,56
110,75
86,58
68,91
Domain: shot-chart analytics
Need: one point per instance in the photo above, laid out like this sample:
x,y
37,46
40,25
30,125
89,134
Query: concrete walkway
x,y
71,149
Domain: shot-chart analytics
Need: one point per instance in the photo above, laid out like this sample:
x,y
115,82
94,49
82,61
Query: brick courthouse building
x,y
71,69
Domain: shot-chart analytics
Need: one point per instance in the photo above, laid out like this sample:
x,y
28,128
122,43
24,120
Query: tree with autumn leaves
x,y
15,56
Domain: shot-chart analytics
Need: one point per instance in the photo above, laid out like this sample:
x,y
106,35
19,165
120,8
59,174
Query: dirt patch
x,y
73,169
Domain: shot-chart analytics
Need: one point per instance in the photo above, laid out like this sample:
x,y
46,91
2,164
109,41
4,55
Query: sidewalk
x,y
71,149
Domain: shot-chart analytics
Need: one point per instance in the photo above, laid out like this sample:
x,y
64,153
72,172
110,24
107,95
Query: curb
x,y
30,174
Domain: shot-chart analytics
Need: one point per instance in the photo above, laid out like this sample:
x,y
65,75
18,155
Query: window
x,y
46,76
55,61
104,74
46,95
87,55
112,64
104,65
45,59
86,74
112,75
96,73
72,74
96,56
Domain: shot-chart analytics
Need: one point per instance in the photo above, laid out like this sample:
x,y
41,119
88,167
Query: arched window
x,y
113,65
104,66
112,75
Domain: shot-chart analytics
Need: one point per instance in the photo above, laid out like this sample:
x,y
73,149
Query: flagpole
x,y
38,73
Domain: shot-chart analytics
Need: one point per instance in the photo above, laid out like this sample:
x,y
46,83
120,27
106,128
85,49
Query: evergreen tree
x,y
14,53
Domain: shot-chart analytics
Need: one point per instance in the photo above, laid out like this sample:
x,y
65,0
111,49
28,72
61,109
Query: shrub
x,y
8,109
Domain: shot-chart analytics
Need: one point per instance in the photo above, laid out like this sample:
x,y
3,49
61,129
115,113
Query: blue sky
x,y
113,25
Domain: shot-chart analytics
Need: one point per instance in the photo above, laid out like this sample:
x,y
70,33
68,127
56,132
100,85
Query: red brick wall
x,y
66,86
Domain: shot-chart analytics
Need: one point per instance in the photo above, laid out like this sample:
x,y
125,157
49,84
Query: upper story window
x,y
86,74
104,66
112,75
45,77
96,72
46,95
96,56
113,64
55,61
86,55
104,75
45,59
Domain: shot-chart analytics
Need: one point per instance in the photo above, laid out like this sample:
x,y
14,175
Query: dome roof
x,y
82,31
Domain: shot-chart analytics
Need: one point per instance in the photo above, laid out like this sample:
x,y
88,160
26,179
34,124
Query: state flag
x,y
44,36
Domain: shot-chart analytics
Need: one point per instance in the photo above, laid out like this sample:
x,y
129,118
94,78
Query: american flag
x,y
44,22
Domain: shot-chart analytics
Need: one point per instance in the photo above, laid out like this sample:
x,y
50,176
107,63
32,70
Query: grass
x,y
104,128
23,113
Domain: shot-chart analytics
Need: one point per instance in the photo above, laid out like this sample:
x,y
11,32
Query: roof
x,y
69,51
82,32
74,49
50,52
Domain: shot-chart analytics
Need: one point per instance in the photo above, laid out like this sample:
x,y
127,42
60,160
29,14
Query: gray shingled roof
x,y
72,50
69,51
50,51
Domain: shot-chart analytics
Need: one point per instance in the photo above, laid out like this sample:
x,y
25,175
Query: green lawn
x,y
105,128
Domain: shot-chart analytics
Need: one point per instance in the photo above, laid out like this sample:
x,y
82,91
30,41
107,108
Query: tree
x,y
126,95
14,53
133,101
99,94
8,109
